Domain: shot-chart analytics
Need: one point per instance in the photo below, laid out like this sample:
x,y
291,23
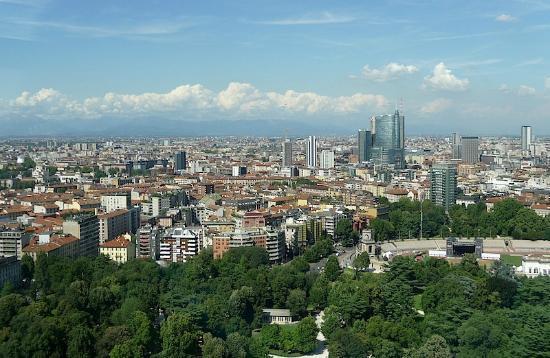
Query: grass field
x,y
417,302
511,260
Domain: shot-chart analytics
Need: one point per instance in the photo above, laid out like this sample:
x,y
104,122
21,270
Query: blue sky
x,y
477,67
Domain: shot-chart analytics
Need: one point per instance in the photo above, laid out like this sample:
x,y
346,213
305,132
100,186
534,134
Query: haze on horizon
x,y
467,66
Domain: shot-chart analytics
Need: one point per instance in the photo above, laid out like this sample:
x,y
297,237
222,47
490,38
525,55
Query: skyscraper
x,y
526,138
327,159
470,150
364,139
456,145
311,152
287,153
180,162
388,145
443,185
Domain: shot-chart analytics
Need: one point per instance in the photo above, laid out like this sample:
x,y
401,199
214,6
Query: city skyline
x,y
310,63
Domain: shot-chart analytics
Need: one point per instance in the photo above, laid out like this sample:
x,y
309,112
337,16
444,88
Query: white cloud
x,y
524,90
195,101
443,79
505,18
504,88
323,18
437,105
388,72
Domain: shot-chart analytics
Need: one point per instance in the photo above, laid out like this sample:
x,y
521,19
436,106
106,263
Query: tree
x,y
347,344
485,335
297,302
362,261
434,347
382,230
318,294
237,345
179,335
27,268
332,268
80,343
305,335
213,347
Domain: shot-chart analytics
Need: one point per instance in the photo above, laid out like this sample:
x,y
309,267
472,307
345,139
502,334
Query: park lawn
x,y
511,260
417,302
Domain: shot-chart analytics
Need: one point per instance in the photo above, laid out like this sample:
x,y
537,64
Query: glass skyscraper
x,y
388,143
364,138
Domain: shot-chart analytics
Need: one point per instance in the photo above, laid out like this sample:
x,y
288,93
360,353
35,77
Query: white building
x,y
327,159
532,266
311,152
115,202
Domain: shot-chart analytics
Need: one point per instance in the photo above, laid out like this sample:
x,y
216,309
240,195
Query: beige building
x,y
52,244
114,224
121,249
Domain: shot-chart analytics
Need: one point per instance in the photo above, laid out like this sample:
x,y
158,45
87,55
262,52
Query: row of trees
x,y
92,307
507,218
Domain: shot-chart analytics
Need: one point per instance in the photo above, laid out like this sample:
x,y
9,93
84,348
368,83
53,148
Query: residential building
x,y
148,242
443,185
86,229
12,242
327,159
238,170
120,249
180,244
52,245
114,224
271,241
116,201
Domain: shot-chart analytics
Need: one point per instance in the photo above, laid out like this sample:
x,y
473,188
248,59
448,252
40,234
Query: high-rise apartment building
x,y
526,138
388,144
86,229
311,152
113,224
470,150
327,159
364,138
443,185
287,153
180,162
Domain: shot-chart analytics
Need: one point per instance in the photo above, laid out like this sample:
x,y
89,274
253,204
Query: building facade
x,y
113,224
311,152
120,249
443,185
86,229
470,150
388,145
327,159
287,154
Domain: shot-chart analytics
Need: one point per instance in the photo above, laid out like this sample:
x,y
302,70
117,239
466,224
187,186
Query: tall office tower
x,y
311,152
456,145
86,229
287,153
470,150
443,185
180,163
526,138
388,145
327,159
364,139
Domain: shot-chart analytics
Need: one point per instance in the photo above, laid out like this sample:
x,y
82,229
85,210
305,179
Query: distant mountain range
x,y
156,127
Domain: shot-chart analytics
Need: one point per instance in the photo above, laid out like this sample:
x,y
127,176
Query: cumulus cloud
x,y
443,79
196,101
505,88
437,105
524,90
505,18
388,72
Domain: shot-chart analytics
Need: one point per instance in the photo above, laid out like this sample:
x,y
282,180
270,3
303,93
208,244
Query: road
x,y
345,259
